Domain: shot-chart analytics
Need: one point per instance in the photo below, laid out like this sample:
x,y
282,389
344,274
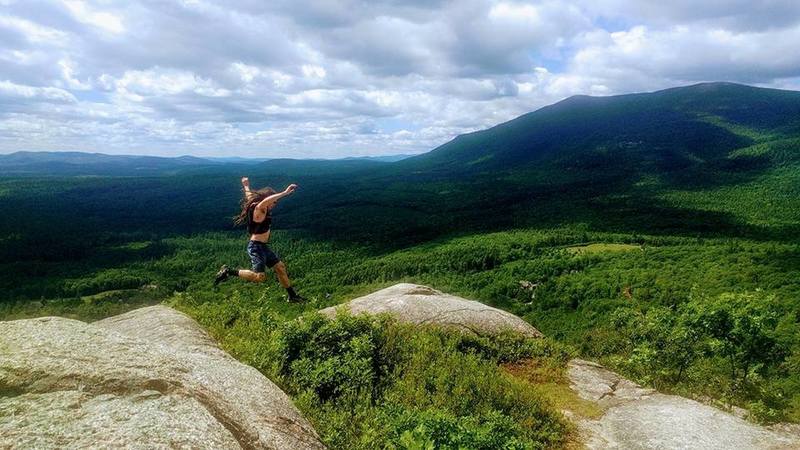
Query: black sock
x,y
291,292
233,272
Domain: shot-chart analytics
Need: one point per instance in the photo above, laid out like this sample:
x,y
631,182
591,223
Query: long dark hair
x,y
249,201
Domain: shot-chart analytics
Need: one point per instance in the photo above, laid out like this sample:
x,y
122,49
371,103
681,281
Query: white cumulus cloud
x,y
332,78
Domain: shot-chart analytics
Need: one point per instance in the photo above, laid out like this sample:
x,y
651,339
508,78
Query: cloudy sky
x,y
326,78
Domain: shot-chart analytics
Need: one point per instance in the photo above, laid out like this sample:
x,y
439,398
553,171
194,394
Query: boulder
x,y
412,303
636,418
151,378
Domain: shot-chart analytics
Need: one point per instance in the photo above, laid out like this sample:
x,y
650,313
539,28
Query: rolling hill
x,y
717,158
668,130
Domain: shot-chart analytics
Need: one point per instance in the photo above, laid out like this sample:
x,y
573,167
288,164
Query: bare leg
x,y
255,277
283,277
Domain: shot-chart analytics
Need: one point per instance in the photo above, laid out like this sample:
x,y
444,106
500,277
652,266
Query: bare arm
x,y
268,202
246,187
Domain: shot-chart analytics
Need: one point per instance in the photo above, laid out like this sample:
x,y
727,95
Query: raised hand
x,y
246,182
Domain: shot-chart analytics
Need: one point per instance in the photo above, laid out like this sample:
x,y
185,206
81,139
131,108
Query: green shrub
x,y
665,345
735,346
437,429
742,328
333,358
365,381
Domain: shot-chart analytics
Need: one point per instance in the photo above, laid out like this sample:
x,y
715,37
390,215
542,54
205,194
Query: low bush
x,y
369,382
729,345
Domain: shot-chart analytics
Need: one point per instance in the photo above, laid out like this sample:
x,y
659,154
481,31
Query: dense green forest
x,y
658,234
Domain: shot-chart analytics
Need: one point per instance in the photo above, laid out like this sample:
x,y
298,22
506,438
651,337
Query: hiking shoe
x,y
295,299
222,275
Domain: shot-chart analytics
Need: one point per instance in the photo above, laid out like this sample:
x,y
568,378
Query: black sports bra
x,y
257,227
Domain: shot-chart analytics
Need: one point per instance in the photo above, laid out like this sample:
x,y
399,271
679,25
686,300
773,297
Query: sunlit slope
x,y
666,130
716,157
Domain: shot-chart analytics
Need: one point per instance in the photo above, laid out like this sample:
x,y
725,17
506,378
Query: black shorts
x,y
261,256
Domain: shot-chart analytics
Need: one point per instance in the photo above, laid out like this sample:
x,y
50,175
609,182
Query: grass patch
x,y
551,383
114,294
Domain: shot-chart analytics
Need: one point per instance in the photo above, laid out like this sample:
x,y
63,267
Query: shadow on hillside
x,y
99,249
600,206
649,215
41,269
785,260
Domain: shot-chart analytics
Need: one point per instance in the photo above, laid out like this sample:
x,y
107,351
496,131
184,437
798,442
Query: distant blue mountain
x,y
80,163
386,158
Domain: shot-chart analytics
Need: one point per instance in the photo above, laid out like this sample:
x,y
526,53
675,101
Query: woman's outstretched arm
x,y
272,199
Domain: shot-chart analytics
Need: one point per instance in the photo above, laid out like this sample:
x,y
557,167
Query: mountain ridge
x,y
706,111
70,163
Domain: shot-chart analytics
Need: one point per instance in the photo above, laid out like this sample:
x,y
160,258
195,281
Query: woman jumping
x,y
256,209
